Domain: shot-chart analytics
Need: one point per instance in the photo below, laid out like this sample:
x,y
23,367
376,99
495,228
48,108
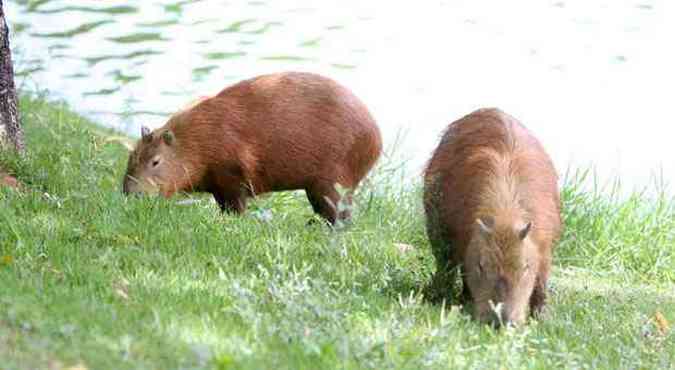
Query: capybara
x,y
274,132
493,213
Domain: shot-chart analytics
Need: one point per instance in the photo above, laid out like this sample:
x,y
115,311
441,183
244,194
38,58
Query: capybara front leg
x,y
444,286
345,206
231,204
324,200
538,298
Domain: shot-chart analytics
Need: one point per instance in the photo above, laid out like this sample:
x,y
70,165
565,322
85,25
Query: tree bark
x,y
11,134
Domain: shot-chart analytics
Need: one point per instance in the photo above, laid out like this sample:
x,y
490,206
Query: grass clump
x,y
609,230
94,278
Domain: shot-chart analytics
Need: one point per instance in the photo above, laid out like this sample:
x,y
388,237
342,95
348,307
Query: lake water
x,y
592,79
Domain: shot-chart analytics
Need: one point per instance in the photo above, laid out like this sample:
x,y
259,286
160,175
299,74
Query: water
x,y
590,78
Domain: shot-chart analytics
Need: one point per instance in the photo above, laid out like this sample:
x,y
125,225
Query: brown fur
x,y
489,178
271,133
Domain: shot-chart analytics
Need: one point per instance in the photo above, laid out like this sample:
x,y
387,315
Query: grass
x,y
92,278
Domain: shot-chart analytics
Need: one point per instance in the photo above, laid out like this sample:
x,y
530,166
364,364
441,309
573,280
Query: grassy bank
x,y
90,277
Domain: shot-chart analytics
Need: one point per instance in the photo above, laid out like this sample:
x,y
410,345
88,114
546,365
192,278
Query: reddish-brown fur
x,y
493,211
271,133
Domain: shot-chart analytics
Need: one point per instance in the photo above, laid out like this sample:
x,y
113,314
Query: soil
x,y
8,180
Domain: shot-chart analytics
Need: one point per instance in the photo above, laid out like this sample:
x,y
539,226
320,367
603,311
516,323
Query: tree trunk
x,y
11,133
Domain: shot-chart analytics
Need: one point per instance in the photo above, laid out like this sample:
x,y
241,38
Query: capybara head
x,y
500,267
154,166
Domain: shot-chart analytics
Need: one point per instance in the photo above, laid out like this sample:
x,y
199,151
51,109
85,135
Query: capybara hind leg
x,y
231,204
324,199
538,299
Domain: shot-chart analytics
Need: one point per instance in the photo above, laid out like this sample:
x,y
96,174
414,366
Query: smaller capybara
x,y
493,212
275,132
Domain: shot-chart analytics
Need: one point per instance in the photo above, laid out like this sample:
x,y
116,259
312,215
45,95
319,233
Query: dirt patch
x,y
8,180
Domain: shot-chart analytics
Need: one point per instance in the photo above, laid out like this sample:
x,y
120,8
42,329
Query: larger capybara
x,y
493,212
274,132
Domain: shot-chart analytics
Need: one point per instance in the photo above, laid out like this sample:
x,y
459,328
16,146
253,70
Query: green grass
x,y
90,277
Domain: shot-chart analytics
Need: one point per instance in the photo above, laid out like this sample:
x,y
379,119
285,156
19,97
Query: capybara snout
x,y
275,132
493,210
153,166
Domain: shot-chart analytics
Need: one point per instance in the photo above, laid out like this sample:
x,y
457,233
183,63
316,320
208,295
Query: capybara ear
x,y
145,134
522,234
168,137
486,224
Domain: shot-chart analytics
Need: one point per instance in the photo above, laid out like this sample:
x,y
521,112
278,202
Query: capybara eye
x,y
155,161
